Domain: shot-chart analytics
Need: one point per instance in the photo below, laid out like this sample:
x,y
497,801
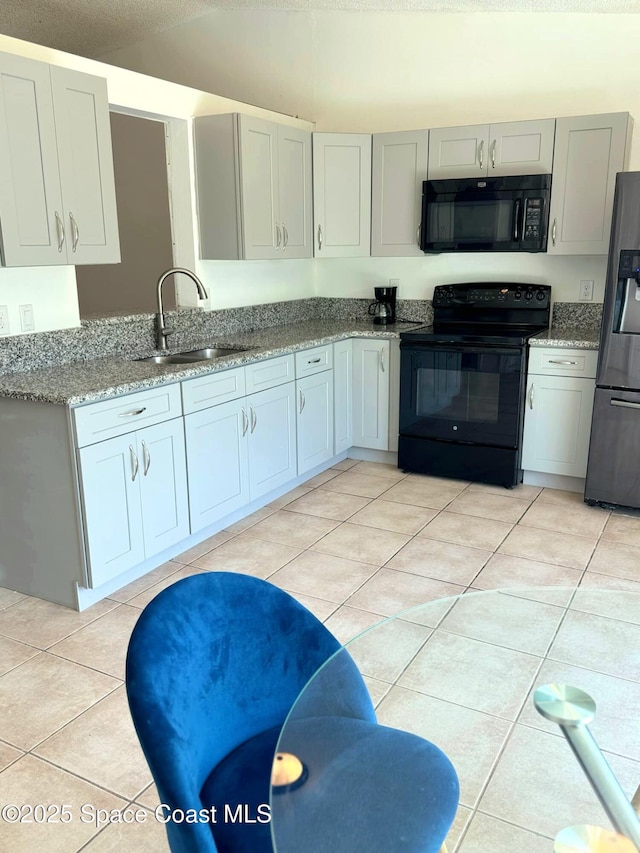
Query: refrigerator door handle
x,y
624,404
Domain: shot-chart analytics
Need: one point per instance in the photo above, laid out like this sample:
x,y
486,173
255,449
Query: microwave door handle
x,y
516,218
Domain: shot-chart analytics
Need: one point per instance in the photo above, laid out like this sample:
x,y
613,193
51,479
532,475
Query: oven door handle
x,y
516,220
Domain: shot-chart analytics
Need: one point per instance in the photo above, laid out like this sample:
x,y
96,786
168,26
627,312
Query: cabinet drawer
x,y
314,360
99,421
563,362
269,373
206,391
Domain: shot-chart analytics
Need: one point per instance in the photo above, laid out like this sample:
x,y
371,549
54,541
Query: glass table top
x,y
461,672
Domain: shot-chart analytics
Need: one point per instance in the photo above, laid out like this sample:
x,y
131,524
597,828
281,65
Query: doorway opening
x,y
144,221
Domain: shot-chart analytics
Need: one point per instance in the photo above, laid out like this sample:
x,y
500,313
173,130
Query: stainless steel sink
x,y
192,356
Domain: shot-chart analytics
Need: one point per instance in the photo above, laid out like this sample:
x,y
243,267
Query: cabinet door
x,y
109,484
399,168
31,215
458,152
371,394
557,425
315,420
86,167
259,187
272,438
217,462
589,151
343,395
163,485
342,194
294,192
521,147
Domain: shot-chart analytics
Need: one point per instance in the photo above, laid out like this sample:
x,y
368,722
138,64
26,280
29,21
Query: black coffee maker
x,y
384,308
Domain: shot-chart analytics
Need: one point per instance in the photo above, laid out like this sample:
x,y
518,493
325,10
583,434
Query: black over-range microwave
x,y
508,214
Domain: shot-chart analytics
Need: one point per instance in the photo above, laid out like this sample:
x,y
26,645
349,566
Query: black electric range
x,y
462,381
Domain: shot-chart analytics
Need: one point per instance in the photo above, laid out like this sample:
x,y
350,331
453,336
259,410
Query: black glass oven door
x,y
465,393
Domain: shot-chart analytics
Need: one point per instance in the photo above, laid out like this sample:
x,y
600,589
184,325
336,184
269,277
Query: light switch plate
x,y
4,320
27,320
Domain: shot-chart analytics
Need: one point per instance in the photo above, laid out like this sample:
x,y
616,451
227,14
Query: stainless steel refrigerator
x,y
613,470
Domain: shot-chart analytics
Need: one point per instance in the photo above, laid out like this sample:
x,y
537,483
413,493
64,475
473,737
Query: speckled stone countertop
x,y
99,379
567,338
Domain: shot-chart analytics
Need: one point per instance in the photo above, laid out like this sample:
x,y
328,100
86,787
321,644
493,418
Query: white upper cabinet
x,y
507,148
589,151
254,188
86,167
399,168
342,194
458,152
295,194
259,187
57,193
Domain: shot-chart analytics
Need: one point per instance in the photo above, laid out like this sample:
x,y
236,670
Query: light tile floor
x,y
356,543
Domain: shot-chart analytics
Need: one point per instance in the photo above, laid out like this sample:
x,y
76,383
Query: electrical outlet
x,y
4,320
27,320
394,282
586,290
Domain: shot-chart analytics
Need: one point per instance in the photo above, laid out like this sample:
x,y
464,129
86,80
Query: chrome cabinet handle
x,y
302,400
134,463
558,361
278,239
531,396
60,229
554,231
625,404
146,456
254,419
481,153
285,237
75,232
492,153
319,237
132,413
382,360
245,423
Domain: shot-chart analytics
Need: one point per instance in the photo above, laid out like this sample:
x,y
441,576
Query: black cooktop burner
x,y
498,313
496,335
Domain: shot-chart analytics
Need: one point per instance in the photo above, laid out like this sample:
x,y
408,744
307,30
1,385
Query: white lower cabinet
x,y
314,420
272,438
343,395
371,393
134,494
217,462
558,411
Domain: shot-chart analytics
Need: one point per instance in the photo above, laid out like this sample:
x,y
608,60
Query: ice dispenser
x,y
627,308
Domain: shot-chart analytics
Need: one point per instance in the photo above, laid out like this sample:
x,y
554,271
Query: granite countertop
x,y
579,338
99,379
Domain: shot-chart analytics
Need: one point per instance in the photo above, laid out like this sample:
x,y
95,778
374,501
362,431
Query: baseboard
x,y
365,454
553,481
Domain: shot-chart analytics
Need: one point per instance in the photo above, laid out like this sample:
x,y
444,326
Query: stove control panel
x,y
492,295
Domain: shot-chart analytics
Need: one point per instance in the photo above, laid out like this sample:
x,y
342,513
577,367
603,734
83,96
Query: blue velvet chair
x,y
214,665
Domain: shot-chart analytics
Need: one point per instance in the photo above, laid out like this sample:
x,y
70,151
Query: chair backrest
x,y
214,660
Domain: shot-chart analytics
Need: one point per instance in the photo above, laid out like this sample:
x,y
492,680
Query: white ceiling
x,y
95,27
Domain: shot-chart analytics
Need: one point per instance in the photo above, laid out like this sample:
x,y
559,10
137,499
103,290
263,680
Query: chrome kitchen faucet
x,y
162,331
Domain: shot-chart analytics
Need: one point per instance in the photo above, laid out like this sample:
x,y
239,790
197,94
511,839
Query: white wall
x,y
375,71
52,290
